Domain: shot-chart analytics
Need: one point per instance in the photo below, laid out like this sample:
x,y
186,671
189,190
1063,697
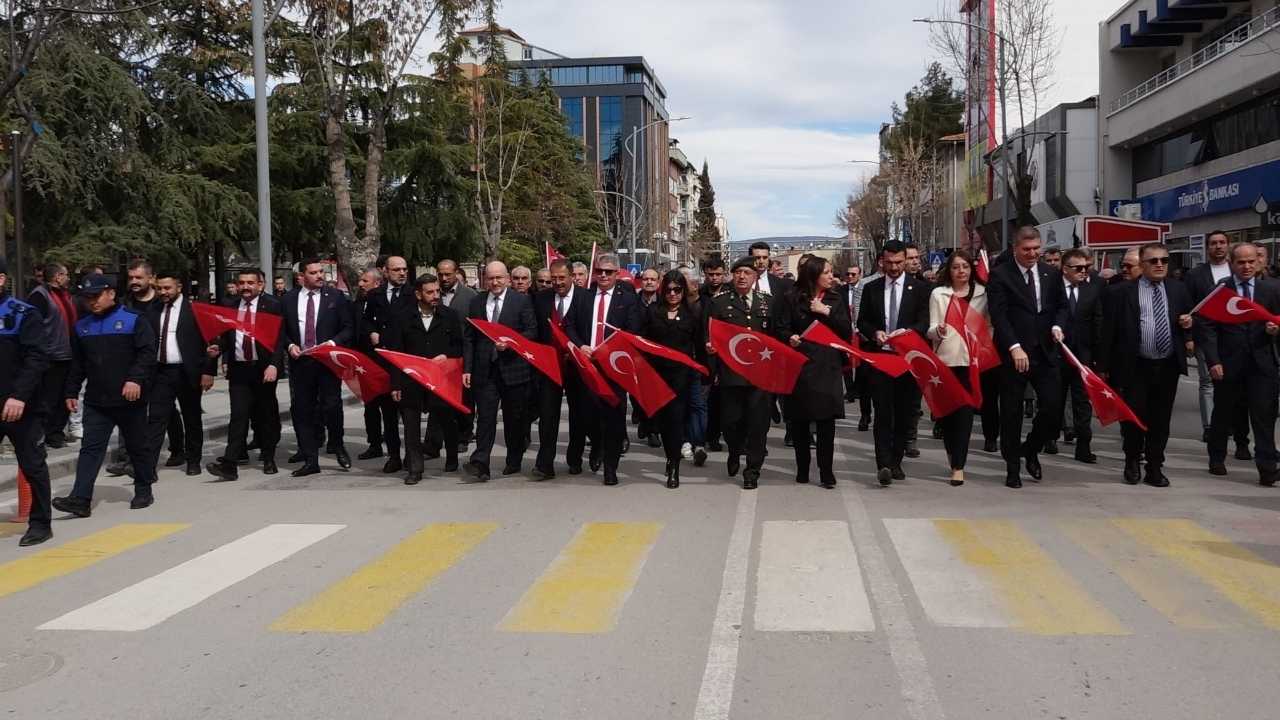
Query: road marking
x,y
715,696
160,597
363,600
586,586
951,592
808,579
1043,598
1152,576
78,554
1248,580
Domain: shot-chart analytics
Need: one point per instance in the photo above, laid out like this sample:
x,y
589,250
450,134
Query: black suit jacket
x,y
334,319
625,312
479,353
274,356
404,333
913,310
195,359
1013,310
1122,333
576,322
379,313
1084,324
1244,348
1199,281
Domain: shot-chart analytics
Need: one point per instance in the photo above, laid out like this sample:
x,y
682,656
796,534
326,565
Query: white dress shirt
x,y
492,313
246,316
426,320
1219,272
562,304
762,284
173,356
597,330
1035,280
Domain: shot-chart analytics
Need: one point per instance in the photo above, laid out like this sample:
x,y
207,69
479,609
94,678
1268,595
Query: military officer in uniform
x,y
744,408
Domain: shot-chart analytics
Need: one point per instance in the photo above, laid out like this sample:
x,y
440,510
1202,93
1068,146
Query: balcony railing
x,y
1220,47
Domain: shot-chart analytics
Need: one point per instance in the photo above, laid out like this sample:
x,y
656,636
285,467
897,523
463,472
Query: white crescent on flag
x,y
613,362
737,340
1233,306
335,354
910,357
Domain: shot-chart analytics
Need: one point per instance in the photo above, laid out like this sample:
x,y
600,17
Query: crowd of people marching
x,y
703,364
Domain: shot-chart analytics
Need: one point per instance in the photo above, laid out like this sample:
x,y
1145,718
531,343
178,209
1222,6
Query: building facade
x,y
1189,115
685,191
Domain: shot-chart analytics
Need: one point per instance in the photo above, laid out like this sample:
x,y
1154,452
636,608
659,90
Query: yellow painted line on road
x,y
1157,580
1246,579
365,599
1043,598
584,588
28,572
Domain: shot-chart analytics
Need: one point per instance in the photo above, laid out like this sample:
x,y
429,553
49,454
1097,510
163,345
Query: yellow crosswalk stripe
x,y
584,588
1156,579
1042,597
1242,576
365,599
28,572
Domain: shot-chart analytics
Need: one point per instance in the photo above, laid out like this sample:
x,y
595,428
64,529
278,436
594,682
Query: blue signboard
x,y
634,268
936,258
1224,193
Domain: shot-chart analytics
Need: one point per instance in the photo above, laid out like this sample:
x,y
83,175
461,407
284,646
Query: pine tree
x,y
705,238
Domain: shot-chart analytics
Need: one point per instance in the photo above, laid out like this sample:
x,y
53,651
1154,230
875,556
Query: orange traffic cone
x,y
24,499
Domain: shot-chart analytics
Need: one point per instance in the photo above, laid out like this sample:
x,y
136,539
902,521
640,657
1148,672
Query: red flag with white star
x,y
366,379
820,334
214,320
442,377
941,390
976,332
1108,406
542,357
762,360
591,377
625,365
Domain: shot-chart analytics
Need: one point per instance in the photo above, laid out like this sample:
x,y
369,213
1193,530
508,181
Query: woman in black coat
x,y
818,397
674,322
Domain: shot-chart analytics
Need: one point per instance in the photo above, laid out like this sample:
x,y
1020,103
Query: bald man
x,y
498,374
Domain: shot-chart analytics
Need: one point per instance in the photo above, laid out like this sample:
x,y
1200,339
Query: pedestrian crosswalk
x,y
1029,576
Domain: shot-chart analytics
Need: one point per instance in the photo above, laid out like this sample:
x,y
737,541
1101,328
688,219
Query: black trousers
x,y
414,457
382,423
895,401
670,420
315,406
1044,379
745,415
53,402
957,427
27,436
1253,388
608,431
826,442
1081,410
1150,394
862,387
169,387
253,403
991,404
489,393
550,398
98,424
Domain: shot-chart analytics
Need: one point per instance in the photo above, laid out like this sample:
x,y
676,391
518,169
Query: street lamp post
x,y
265,254
15,144
629,199
629,145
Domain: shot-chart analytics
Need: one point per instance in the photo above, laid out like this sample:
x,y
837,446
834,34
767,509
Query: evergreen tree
x,y
705,238
931,110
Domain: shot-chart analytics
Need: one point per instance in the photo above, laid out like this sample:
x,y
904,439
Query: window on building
x,y
573,114
604,74
1237,130
610,147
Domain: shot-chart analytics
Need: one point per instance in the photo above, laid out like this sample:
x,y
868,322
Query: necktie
x,y
600,318
560,309
247,343
893,306
493,311
395,293
309,329
164,334
1248,289
1071,296
1160,318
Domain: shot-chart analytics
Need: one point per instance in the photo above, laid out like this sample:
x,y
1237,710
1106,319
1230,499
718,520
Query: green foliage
x,y
706,236
932,110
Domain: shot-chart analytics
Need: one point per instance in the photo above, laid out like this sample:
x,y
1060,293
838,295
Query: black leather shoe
x,y
732,465
1012,481
828,482
175,461
255,445
699,457
1217,468
1086,457
750,479
72,506
193,469
863,426
142,500
223,471
1155,478
475,472
413,478
802,477
511,470
451,466
540,474
1051,447
897,473
1033,466
610,478
296,458
655,440
626,445
1068,436
673,475
575,469
715,446
118,469
885,476
1242,453
269,467
35,535
55,443
990,446
307,469
1268,478
344,460
1132,471
372,452
593,462
392,465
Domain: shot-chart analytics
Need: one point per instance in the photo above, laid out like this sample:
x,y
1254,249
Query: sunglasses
x,y
1076,268
1157,261
606,271
674,290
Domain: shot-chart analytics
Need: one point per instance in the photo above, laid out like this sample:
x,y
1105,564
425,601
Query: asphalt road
x,y
350,594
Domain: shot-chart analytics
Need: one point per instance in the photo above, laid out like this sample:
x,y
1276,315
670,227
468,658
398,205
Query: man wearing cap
x,y
114,349
23,361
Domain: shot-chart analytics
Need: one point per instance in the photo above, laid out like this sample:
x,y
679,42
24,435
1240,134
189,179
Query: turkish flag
x,y
552,254
591,377
542,357
763,360
1230,308
592,267
891,365
442,377
366,378
977,338
1108,407
983,269
941,390
650,347
214,320
624,365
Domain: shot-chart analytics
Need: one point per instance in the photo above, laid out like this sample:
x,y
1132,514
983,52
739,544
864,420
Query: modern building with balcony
x,y
1189,114
684,193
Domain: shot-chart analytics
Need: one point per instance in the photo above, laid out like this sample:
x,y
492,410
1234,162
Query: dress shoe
x,y
307,469
142,500
451,465
296,458
223,470
732,465
912,451
1268,478
511,470
1051,447
715,446
1217,468
897,473
575,469
1068,436
655,440
1242,453
673,475
413,478
863,425
885,476
117,469
175,460
750,479
54,443
1132,471
593,462
699,457
539,474
193,469
828,482
957,478
269,467
802,476
1012,481
1033,466
35,535
344,460
990,446
610,478
392,465
1086,457
372,452
1155,478
72,505
626,445
255,445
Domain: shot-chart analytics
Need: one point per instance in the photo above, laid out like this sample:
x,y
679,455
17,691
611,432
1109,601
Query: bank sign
x,y
1224,193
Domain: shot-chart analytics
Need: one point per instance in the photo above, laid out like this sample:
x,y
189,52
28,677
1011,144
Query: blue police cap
x,y
94,284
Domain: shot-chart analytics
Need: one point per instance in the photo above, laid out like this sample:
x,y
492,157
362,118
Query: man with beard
x,y
184,371
454,294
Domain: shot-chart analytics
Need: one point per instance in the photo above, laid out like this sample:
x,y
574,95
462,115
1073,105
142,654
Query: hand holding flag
x,y
650,347
365,378
762,360
941,390
542,357
591,377
443,377
1229,308
619,360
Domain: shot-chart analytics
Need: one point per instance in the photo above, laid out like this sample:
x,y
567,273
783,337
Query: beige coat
x,y
951,347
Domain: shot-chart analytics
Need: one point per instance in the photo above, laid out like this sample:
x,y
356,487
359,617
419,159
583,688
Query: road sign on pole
x,y
634,268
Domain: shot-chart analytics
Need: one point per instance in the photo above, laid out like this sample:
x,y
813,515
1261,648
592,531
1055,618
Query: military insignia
x,y
119,325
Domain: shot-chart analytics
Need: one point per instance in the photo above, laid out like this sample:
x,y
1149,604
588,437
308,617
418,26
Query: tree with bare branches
x,y
865,214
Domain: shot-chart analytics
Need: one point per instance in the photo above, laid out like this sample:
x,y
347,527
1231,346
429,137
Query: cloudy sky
x,y
781,92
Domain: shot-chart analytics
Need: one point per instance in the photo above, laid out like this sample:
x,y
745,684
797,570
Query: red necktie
x,y
600,318
247,343
309,329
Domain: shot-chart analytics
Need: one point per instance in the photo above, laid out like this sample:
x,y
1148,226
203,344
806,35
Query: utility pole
x,y
1004,152
19,274
266,257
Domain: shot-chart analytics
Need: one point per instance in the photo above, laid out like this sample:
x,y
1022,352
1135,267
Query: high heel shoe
x,y
957,478
673,475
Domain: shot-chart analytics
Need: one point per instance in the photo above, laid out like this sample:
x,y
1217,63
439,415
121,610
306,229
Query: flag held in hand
x,y
542,357
591,377
820,334
650,347
1229,308
214,320
441,377
939,385
1108,407
365,378
762,360
623,364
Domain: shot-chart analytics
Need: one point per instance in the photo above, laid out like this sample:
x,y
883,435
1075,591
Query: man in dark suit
x,y
1242,363
1028,305
454,294
496,373
714,283
569,307
315,315
894,301
430,330
253,369
1200,280
382,304
183,371
1083,328
611,306
1143,351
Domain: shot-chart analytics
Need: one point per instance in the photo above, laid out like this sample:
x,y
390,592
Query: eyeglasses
x,y
1157,260
1076,268
673,289
606,271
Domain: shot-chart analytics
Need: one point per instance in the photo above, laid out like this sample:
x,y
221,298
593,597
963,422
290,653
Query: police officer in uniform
x,y
114,349
744,408
22,363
